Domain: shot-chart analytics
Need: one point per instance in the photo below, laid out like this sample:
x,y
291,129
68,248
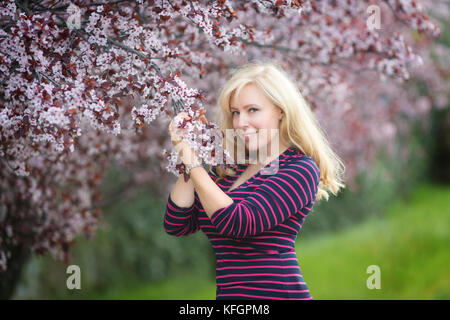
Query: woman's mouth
x,y
247,135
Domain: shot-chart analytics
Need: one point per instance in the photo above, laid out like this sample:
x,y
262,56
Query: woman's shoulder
x,y
299,162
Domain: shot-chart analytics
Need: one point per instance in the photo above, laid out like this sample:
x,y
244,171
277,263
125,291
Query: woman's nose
x,y
242,121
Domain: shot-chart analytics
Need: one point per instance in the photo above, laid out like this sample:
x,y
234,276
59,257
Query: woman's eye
x,y
232,113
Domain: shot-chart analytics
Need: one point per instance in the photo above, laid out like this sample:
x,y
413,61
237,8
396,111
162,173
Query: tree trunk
x,y
10,278
441,161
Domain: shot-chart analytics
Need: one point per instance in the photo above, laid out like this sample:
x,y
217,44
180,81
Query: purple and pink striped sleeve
x,y
279,196
179,221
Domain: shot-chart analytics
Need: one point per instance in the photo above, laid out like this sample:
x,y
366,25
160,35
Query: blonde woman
x,y
252,215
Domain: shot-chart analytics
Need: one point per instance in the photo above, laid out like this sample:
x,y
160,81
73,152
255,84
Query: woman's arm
x,y
180,218
183,193
211,196
291,189
182,208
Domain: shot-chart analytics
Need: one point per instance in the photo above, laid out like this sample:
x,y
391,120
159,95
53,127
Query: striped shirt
x,y
254,237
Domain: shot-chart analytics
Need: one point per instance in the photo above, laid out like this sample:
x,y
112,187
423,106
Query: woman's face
x,y
256,119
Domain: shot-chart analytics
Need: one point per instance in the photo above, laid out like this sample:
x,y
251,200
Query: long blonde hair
x,y
298,128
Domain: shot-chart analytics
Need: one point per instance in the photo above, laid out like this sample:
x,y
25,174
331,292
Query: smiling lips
x,y
247,135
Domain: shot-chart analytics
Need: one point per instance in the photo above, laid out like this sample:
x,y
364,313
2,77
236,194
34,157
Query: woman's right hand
x,y
183,148
175,136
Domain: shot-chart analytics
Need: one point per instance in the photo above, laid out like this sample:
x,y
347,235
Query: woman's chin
x,y
252,150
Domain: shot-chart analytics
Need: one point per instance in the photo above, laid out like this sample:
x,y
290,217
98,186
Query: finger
x,y
184,115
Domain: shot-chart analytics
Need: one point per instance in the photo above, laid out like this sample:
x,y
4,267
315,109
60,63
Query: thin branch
x,y
126,48
48,78
8,165
396,14
65,6
24,6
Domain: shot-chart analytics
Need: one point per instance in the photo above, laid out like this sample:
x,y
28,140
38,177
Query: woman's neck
x,y
265,159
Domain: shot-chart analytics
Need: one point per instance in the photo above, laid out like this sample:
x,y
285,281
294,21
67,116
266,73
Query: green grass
x,y
189,286
409,245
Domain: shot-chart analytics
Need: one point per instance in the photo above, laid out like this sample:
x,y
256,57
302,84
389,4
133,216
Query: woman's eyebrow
x,y
246,106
